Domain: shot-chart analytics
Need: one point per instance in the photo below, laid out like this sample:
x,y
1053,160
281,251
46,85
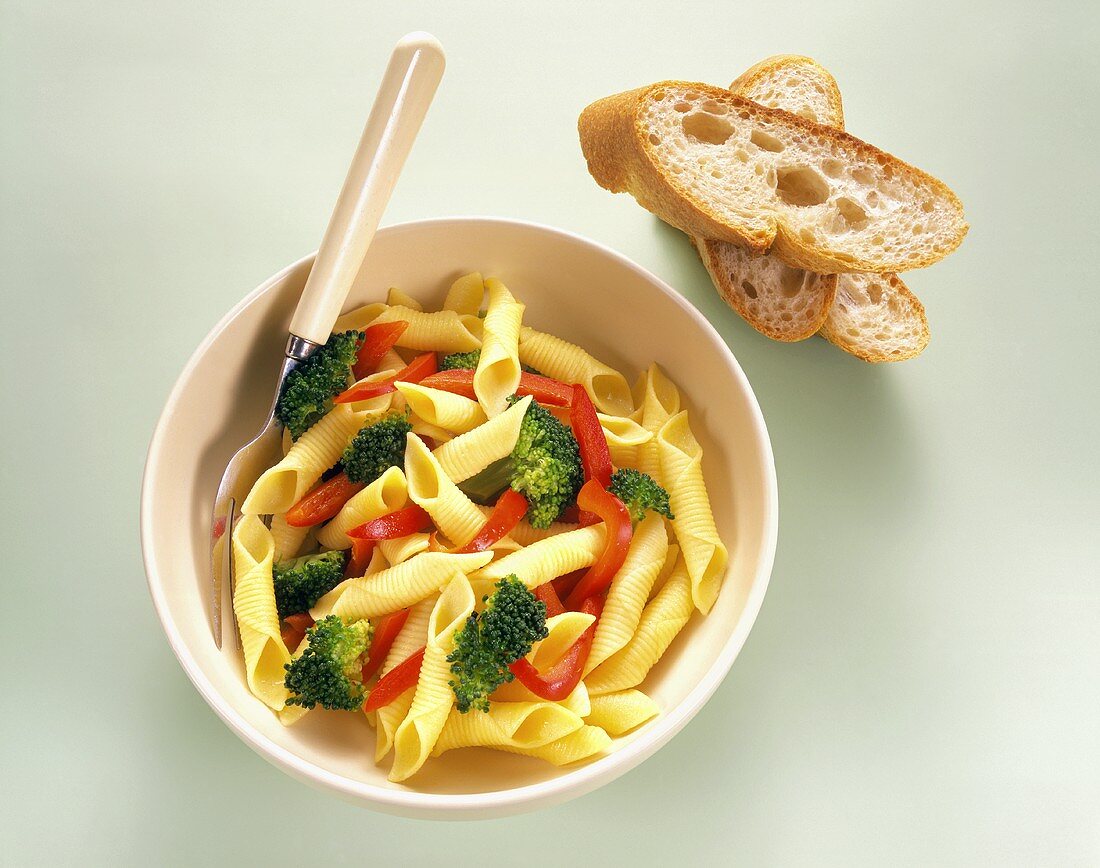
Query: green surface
x,y
921,686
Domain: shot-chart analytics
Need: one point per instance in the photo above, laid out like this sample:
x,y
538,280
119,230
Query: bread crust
x,y
822,290
913,313
615,144
770,66
621,158
761,75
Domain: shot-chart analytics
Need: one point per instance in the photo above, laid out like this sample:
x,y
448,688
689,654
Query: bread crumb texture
x,y
784,303
877,318
833,197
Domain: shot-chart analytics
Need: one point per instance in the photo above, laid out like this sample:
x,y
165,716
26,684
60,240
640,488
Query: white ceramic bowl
x,y
572,287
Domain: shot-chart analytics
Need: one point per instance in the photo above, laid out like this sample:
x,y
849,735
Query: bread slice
x,y
721,166
796,84
877,320
784,303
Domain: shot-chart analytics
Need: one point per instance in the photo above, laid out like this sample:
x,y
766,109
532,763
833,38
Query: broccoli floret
x,y
329,672
545,467
460,361
303,581
639,492
376,448
468,361
513,620
309,389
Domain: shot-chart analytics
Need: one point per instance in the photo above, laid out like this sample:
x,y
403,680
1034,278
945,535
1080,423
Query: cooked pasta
x,y
324,606
287,539
426,430
391,362
670,563
431,489
386,494
413,635
470,453
283,485
662,619
396,296
624,438
444,331
498,370
618,713
475,648
446,410
521,725
378,406
465,295
578,701
402,585
254,605
659,400
548,558
582,743
567,362
525,535
416,736
397,551
563,631
629,590
681,460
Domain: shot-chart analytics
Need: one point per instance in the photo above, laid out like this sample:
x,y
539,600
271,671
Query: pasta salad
x,y
479,535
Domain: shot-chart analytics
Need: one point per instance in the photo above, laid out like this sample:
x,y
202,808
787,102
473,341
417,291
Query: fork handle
x,y
410,81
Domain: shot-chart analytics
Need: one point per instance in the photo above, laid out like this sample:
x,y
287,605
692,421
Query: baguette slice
x,y
784,303
875,320
796,84
721,166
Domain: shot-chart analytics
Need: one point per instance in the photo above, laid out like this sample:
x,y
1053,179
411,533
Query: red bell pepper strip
x,y
595,456
570,515
564,585
402,677
549,596
384,634
361,552
510,507
457,381
323,502
560,679
393,525
543,389
595,498
415,371
390,526
379,340
294,630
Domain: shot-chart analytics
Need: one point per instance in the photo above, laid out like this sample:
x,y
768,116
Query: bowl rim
x,y
496,802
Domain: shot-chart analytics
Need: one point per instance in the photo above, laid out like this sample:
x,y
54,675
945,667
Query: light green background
x,y
922,684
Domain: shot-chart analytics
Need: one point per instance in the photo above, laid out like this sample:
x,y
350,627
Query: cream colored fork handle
x,y
414,71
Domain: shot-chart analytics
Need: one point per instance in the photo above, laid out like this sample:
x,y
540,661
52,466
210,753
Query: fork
x,y
408,85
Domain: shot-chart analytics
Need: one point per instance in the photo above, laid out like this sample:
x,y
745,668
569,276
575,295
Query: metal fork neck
x,y
299,349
